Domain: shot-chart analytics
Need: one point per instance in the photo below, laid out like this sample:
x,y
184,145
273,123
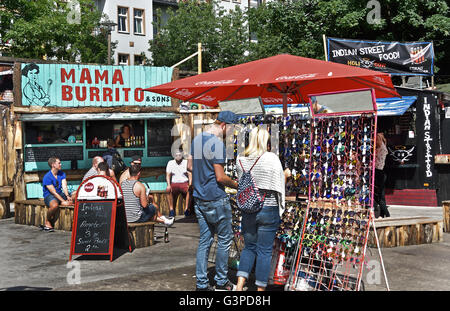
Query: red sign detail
x,y
89,187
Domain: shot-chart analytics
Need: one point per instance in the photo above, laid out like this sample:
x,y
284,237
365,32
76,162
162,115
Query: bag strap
x,y
252,165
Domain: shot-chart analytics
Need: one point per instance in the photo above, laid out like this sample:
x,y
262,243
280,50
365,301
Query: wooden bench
x,y
34,213
142,234
446,216
161,200
403,231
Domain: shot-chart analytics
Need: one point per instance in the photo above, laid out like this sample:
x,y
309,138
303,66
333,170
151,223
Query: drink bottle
x,y
166,236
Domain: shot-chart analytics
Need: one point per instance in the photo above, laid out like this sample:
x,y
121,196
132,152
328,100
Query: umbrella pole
x,y
285,104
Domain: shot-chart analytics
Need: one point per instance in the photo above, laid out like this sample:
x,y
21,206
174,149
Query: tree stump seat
x,y
142,234
34,213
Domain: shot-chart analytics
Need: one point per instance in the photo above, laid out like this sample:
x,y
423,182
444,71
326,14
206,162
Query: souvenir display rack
x,y
321,242
334,238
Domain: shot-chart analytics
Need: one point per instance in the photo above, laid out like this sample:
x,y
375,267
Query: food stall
x,y
72,110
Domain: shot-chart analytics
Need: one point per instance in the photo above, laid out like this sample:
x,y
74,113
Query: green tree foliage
x,y
223,35
47,27
296,26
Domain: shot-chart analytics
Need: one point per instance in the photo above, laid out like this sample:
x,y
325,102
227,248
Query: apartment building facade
x,y
135,28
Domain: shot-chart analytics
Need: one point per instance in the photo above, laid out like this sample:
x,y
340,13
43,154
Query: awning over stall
x,y
96,116
394,106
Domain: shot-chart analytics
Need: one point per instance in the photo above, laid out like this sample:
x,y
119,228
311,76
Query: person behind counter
x,y
55,191
137,205
125,133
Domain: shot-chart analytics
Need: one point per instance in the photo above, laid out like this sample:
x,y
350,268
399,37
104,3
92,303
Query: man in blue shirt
x,y
55,191
212,206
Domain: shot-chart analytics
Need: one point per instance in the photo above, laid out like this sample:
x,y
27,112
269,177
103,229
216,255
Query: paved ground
x,y
34,260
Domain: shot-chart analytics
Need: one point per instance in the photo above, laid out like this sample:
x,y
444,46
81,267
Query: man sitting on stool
x,y
137,206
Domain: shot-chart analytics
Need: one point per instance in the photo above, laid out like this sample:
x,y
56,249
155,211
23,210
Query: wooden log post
x,y
446,218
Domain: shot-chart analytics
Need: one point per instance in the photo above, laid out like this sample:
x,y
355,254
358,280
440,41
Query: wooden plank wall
x,y
10,171
191,124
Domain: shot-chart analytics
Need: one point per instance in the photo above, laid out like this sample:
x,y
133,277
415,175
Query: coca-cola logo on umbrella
x,y
89,187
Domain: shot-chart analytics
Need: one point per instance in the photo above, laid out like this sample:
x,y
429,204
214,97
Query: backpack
x,y
118,166
114,160
248,198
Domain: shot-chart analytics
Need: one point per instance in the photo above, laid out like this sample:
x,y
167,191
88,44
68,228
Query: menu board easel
x,y
99,218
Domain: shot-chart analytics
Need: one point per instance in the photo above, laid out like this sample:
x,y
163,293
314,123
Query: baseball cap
x,y
227,117
136,158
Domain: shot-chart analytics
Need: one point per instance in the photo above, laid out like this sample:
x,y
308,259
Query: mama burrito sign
x,y
411,58
72,85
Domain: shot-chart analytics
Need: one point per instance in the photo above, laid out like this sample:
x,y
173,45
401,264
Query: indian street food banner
x,y
397,58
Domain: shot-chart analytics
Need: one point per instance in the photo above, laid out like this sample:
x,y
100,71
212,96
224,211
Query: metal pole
x,y
109,47
199,58
325,46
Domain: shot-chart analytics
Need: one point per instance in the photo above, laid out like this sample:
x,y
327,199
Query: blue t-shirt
x,y
49,179
207,150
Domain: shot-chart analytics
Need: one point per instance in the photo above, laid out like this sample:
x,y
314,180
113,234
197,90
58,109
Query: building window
x,y
124,59
139,28
138,60
122,19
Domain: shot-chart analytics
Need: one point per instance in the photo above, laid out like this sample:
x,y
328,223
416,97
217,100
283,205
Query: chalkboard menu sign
x,y
93,227
64,153
99,226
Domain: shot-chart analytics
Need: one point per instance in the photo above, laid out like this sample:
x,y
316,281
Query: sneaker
x,y
187,213
228,286
171,213
206,289
168,221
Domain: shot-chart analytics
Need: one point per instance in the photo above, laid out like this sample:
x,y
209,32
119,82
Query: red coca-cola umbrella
x,y
282,79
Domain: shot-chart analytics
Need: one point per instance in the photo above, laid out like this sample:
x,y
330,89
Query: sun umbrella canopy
x,y
273,78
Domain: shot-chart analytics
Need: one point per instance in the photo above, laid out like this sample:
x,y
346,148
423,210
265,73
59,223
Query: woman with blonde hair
x,y
259,229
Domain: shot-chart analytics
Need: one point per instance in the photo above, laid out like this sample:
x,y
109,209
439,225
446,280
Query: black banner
x,y
397,58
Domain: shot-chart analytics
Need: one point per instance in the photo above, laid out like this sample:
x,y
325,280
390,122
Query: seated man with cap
x,y
135,160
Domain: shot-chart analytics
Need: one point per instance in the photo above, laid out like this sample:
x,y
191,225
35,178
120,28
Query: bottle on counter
x,y
95,142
